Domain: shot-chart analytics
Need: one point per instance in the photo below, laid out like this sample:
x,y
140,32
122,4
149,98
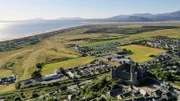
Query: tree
x,y
17,98
152,55
35,95
102,99
50,99
17,85
115,85
62,71
39,65
36,75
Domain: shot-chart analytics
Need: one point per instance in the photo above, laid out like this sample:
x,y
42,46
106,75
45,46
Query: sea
x,y
17,29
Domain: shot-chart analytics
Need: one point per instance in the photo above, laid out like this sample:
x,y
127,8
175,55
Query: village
x,y
135,81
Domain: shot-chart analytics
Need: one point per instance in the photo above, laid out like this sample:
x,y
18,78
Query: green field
x,y
171,33
5,73
142,53
4,88
98,42
50,68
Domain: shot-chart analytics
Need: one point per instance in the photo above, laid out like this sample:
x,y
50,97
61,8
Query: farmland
x,y
142,53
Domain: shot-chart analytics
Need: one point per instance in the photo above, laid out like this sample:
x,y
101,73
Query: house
x,y
29,81
166,88
124,95
167,96
78,48
97,67
157,93
120,59
53,76
2,99
1,82
178,98
73,87
71,97
8,80
143,92
71,75
115,92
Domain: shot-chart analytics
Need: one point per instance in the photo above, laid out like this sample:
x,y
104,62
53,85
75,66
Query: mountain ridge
x,y
137,17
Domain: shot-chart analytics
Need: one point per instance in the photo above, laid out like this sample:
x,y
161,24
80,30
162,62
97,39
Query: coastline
x,y
84,24
42,32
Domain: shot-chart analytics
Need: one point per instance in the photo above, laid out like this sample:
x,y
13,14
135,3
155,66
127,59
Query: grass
x,y
98,42
171,33
109,62
50,68
30,56
5,73
4,88
142,53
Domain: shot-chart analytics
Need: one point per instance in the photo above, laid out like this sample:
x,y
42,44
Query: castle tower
x,y
133,74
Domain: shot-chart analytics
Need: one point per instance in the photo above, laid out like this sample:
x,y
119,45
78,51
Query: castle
x,y
131,73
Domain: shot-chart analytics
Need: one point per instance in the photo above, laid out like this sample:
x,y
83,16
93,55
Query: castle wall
x,y
119,74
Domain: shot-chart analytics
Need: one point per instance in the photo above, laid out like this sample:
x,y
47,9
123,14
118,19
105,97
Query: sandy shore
x,y
43,32
91,23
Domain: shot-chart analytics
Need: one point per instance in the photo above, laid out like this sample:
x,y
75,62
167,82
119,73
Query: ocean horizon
x,y
13,30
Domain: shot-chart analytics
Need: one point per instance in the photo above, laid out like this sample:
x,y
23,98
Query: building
x,y
8,80
128,72
115,92
71,97
29,81
53,76
121,59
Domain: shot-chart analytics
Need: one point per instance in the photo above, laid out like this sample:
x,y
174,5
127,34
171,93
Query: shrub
x,y
18,85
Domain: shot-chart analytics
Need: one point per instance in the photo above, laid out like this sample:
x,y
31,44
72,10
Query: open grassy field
x,y
4,88
50,68
98,42
32,55
141,53
171,33
5,73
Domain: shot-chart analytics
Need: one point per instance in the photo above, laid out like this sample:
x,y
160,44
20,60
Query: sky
x,y
51,9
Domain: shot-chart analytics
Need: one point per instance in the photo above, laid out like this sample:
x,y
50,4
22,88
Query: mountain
x,y
36,19
144,17
140,17
70,18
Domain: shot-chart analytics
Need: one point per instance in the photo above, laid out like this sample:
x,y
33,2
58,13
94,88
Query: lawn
x,y
4,88
50,68
5,73
141,53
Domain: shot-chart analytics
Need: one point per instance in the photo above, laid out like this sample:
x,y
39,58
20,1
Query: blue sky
x,y
50,9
